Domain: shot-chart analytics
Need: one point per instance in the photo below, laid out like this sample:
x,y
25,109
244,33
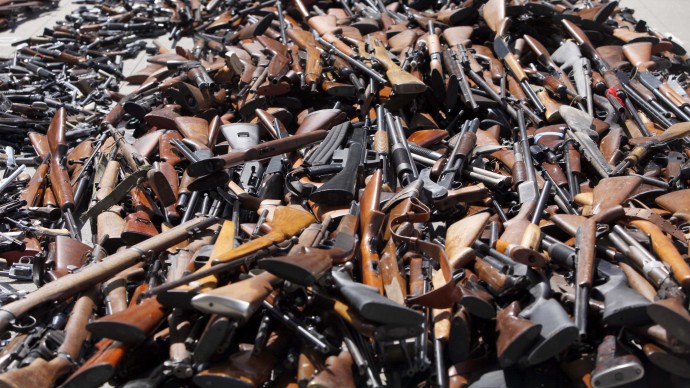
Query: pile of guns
x,y
14,12
322,193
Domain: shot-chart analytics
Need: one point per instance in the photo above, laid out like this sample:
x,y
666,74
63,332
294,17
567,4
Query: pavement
x,y
666,16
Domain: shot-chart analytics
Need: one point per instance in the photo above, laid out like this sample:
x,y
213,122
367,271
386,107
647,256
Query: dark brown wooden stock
x,y
65,255
166,150
77,156
320,119
515,335
138,225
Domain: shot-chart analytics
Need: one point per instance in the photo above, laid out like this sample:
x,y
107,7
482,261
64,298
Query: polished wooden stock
x,y
371,221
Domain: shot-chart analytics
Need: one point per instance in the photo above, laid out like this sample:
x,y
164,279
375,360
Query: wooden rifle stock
x,y
521,237
42,373
261,151
77,156
40,143
33,192
677,202
507,157
460,236
138,225
194,129
493,12
402,81
166,150
371,221
59,179
65,256
515,335
320,119
666,251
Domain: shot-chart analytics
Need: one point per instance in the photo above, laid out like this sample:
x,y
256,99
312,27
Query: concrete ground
x,y
665,16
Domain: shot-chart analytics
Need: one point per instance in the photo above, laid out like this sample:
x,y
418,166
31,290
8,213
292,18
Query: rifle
x,y
676,131
42,373
639,54
580,124
261,151
503,51
623,306
608,196
286,222
136,323
92,274
457,83
552,68
140,167
59,179
371,222
306,41
306,264
456,160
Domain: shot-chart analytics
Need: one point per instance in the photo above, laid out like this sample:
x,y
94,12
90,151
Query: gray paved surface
x,y
665,16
